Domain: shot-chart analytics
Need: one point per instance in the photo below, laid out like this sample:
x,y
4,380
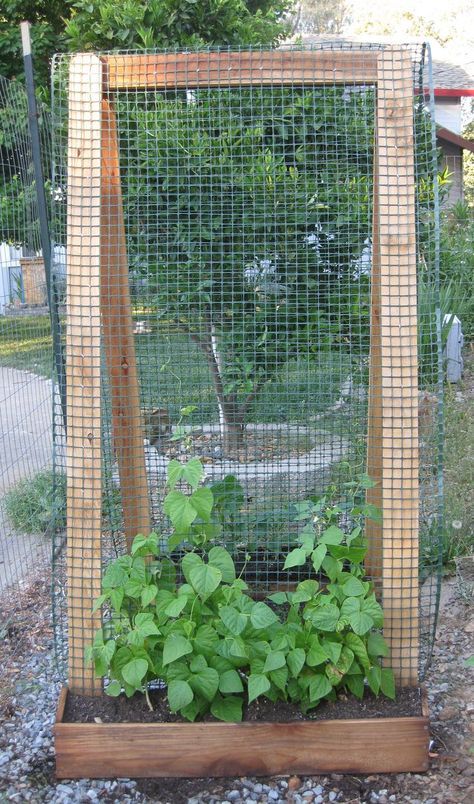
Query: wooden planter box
x,y
106,750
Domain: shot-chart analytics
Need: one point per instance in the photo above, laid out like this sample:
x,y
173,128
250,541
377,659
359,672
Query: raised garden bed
x,y
379,740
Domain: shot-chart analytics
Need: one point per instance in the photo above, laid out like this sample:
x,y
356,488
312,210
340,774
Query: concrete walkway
x,y
25,449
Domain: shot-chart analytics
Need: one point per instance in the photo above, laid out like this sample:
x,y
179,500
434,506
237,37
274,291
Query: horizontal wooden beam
x,y
261,68
105,750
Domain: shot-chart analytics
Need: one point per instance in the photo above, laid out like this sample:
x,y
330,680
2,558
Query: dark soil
x,y
82,709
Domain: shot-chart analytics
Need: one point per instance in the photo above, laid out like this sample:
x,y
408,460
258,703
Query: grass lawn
x,y
174,373
25,343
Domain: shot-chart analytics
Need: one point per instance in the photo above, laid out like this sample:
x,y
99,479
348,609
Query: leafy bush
x,y
214,646
38,504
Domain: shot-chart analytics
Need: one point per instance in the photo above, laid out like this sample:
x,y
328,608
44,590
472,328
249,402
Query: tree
x,y
319,16
107,24
245,215
47,18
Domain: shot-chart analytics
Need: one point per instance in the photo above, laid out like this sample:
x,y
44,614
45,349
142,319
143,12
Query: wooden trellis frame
x,y
99,306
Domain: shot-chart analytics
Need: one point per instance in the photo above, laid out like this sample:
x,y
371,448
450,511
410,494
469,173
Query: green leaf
x,y
205,579
176,606
373,609
374,677
116,599
325,617
357,646
175,646
206,683
230,681
175,473
332,567
353,587
202,501
180,695
332,535
228,709
356,685
319,686
278,597
189,561
193,472
233,620
206,640
113,689
387,682
197,664
332,650
220,558
296,558
376,645
315,655
361,623
149,594
258,684
238,648
134,672
115,576
180,510
99,601
262,616
318,555
274,661
279,678
295,660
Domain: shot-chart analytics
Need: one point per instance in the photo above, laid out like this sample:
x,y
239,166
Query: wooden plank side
x,y
183,70
227,749
84,454
373,529
119,345
398,361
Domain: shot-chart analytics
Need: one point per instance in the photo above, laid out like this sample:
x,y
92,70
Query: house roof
x,y
455,139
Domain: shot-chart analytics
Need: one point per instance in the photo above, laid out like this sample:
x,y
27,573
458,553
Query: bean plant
x,y
194,624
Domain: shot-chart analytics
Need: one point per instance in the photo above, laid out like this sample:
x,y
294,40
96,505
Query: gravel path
x,y
29,695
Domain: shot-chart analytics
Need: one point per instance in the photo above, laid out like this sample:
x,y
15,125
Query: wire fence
x,y
28,492
240,315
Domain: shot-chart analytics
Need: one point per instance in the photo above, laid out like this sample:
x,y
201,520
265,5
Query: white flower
x,y
457,524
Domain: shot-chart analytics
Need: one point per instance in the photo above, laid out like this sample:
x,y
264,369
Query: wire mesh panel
x,y
243,234
32,498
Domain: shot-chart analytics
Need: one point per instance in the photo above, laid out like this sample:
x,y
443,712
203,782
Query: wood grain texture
x,y
263,68
397,381
374,530
118,339
107,750
83,369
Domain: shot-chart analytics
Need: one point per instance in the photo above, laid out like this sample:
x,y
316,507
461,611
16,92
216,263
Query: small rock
x,y
448,713
332,796
294,782
234,795
318,790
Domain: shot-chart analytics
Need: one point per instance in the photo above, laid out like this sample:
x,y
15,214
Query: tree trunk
x,y
232,429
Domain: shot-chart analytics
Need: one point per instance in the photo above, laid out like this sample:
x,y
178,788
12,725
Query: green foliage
x,y
217,649
38,504
457,263
47,18
105,24
259,219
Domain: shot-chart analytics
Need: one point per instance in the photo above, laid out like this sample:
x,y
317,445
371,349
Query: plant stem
x,y
147,696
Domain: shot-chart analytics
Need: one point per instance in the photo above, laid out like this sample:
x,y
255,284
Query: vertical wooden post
x,y
119,345
396,391
84,453
373,530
